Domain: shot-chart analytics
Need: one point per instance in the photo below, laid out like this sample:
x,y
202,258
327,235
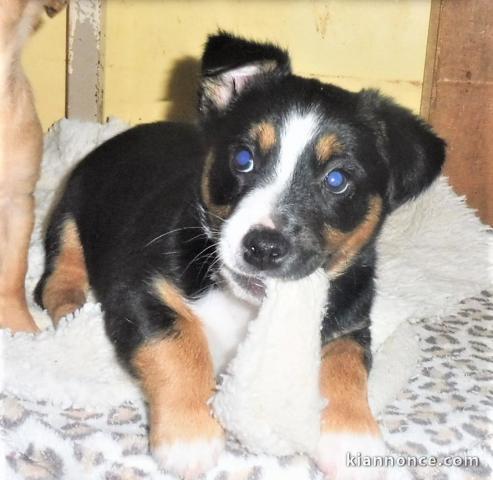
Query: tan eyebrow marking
x,y
326,146
265,134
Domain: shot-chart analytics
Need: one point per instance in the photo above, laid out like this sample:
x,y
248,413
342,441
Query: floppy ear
x,y
230,64
414,154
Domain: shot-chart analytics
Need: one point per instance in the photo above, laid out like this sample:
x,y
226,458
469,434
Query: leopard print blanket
x,y
444,415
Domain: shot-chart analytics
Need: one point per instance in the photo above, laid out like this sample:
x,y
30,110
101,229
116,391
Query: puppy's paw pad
x,y
189,459
340,456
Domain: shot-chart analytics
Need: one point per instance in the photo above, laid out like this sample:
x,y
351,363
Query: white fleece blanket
x,y
433,254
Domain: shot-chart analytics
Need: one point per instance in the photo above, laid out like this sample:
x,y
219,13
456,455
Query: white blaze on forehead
x,y
296,133
257,207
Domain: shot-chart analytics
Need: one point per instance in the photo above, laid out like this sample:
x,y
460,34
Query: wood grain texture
x,y
431,57
461,103
85,39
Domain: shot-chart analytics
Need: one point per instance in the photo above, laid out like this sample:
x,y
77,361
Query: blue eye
x,y
243,161
336,181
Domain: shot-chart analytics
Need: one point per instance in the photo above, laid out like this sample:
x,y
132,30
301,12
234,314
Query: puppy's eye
x,y
243,161
336,181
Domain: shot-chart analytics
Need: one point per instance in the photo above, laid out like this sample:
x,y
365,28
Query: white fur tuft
x,y
191,459
333,450
225,319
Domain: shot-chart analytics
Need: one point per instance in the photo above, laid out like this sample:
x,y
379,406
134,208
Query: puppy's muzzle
x,y
265,248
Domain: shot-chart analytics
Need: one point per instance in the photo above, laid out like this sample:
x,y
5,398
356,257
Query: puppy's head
x,y
300,174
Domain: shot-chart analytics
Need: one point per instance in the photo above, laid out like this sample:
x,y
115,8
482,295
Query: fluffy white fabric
x,y
433,253
280,356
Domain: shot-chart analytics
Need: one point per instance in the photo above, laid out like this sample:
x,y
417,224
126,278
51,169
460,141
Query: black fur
x,y
138,204
224,52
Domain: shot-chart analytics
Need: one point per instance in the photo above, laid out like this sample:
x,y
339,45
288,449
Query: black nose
x,y
264,248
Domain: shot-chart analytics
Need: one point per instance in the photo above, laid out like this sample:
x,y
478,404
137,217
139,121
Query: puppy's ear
x,y
230,64
414,154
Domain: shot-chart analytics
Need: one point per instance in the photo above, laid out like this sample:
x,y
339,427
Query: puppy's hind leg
x,y
64,285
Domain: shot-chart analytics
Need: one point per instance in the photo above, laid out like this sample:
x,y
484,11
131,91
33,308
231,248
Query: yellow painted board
x,y
152,47
44,63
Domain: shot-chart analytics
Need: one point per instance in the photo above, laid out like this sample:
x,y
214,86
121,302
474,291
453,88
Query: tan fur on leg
x,y
344,382
348,426
66,288
177,376
21,142
20,155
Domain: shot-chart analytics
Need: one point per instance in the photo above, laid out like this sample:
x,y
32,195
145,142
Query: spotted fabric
x,y
446,410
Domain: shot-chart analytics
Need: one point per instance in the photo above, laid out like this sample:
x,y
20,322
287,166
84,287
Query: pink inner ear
x,y
233,82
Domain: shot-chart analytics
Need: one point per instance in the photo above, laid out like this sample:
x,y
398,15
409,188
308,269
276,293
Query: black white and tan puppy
x,y
175,227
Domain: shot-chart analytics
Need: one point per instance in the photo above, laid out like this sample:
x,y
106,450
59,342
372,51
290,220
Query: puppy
x,y
21,141
173,226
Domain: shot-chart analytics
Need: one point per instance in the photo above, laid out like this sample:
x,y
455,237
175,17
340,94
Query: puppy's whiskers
x,y
159,237
203,234
198,256
215,216
210,268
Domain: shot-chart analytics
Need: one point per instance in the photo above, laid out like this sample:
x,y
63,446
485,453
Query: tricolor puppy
x,y
21,142
176,227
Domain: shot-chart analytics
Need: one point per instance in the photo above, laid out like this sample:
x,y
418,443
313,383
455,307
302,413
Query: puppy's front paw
x,y
187,443
189,459
345,456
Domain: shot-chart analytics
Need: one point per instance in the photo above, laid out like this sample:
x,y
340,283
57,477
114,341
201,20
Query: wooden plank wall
x,y
138,59
458,95
84,90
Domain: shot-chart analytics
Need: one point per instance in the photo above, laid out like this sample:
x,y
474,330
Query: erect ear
x,y
414,154
230,64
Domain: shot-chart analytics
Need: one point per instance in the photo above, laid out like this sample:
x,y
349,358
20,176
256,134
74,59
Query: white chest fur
x,y
225,319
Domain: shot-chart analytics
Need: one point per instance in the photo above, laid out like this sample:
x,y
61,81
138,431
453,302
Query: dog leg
x,y
177,376
65,288
21,140
16,220
348,426
20,156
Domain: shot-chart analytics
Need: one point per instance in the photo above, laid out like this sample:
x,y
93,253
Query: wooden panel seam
x,y
430,58
85,47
